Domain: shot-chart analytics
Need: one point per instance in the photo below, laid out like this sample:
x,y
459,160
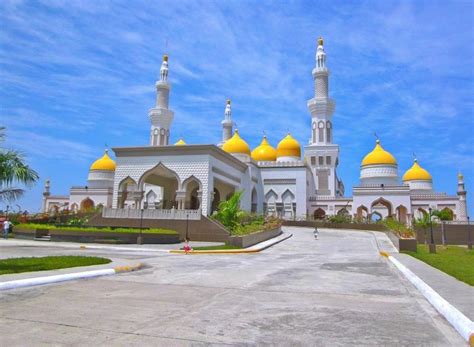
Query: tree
x,y
13,169
424,223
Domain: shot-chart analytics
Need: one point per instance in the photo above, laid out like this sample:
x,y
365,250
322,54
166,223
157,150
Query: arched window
x,y
314,132
321,131
328,131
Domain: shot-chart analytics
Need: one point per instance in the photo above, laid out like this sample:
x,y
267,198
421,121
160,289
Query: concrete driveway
x,y
333,291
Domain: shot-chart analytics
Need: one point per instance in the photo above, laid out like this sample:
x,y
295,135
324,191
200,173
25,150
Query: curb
x,y
37,281
463,325
251,249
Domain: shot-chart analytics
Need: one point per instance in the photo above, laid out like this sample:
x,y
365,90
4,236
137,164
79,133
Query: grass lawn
x,y
207,248
455,261
17,265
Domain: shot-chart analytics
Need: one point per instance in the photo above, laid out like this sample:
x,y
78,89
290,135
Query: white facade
x,y
198,177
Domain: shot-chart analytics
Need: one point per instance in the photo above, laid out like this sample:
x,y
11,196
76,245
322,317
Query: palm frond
x,y
14,169
10,194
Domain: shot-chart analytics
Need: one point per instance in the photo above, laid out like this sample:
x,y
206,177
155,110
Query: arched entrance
x,y
288,199
127,192
270,199
216,200
376,216
447,214
192,187
253,208
319,213
402,214
382,207
362,213
87,204
163,179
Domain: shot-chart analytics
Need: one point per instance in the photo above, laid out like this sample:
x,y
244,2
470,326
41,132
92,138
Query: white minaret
x,y
46,194
461,214
160,116
321,154
226,124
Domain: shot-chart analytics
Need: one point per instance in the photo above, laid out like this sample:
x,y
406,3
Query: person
x,y
316,233
187,248
6,228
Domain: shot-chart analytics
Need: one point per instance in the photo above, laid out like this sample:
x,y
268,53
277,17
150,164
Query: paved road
x,y
301,292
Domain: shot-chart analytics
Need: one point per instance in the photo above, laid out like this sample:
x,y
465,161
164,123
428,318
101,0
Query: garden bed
x,y
401,243
96,235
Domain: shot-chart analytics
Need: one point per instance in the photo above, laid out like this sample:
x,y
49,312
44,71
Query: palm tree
x,y
13,169
229,212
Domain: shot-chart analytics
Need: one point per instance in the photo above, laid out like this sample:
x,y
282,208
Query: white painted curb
x,y
463,325
36,281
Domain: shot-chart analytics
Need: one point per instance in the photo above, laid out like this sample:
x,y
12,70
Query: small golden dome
x,y
180,142
264,152
165,57
416,172
320,41
379,156
236,144
104,163
288,147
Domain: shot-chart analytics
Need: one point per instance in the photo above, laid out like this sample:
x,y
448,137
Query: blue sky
x,y
75,75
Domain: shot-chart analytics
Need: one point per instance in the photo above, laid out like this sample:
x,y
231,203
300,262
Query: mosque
x,y
170,181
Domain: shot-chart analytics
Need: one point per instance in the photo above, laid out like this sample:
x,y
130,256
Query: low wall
x,y
204,229
402,245
98,237
456,234
245,241
312,224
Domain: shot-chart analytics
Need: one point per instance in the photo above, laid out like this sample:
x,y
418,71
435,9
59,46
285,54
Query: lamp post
x,y
469,238
140,236
432,244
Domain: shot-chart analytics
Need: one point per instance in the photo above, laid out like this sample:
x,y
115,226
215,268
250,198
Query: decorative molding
x,y
278,181
225,174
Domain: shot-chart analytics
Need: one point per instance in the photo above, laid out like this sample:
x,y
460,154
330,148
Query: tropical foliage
x,y
398,228
13,170
239,222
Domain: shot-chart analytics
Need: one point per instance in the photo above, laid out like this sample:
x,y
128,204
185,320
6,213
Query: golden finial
x,y
228,101
460,175
320,41
165,57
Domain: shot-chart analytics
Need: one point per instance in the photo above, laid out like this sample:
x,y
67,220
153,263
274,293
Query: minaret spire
x,y
462,206
160,115
227,123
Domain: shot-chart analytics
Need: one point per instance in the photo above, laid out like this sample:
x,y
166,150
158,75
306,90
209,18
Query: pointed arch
x,y
402,214
161,176
287,196
271,196
319,213
190,179
87,204
159,170
381,201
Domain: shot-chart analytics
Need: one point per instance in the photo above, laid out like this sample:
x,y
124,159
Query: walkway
x,y
302,292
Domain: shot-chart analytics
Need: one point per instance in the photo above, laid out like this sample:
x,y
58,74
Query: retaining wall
x,y
312,224
245,241
204,229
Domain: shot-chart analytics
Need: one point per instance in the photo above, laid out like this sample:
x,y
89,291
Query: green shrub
x,y
340,219
92,229
398,228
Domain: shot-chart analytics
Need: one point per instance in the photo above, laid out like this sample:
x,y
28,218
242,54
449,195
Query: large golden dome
x,y
416,173
236,145
379,156
104,163
264,152
288,147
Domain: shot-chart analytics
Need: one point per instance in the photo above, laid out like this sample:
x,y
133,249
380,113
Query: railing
x,y
131,213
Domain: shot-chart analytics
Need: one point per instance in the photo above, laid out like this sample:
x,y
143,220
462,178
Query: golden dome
x,y
416,172
165,57
236,144
288,147
379,156
320,41
264,152
180,142
104,163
